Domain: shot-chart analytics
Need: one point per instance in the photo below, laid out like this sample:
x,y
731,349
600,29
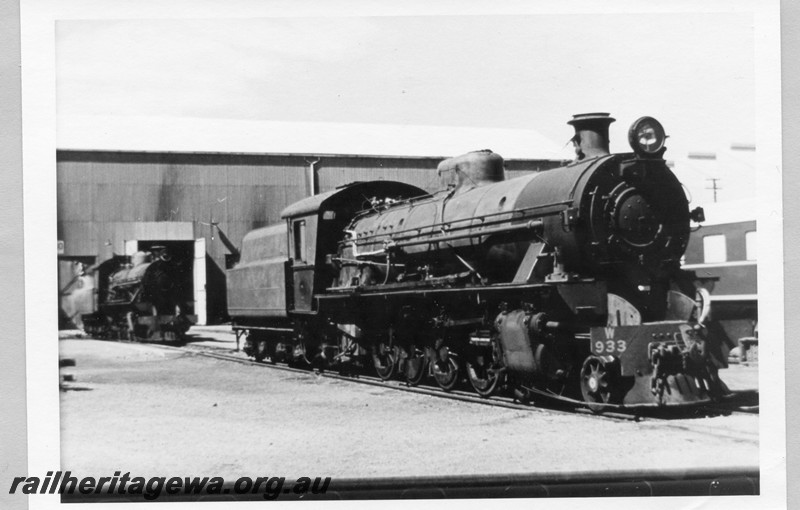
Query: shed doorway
x,y
190,256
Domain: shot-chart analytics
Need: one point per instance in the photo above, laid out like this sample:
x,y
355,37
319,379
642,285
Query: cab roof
x,y
351,192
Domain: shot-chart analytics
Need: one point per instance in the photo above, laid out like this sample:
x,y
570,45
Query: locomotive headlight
x,y
646,136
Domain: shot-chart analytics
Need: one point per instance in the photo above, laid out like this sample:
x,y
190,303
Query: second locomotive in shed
x,y
141,297
562,283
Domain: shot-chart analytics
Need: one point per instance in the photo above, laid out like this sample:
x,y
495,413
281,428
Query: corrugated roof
x,y
156,134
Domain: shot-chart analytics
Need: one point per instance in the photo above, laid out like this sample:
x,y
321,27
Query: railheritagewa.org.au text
x,y
123,484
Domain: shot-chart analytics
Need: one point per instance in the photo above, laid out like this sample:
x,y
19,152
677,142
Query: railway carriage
x,y
559,284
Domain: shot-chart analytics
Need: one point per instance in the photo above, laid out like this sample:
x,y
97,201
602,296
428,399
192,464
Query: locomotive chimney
x,y
591,134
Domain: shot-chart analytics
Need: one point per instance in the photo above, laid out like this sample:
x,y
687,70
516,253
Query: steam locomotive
x,y
564,283
143,298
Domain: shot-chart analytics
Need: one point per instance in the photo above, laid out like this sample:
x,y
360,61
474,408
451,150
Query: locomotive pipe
x,y
312,177
227,242
415,232
531,225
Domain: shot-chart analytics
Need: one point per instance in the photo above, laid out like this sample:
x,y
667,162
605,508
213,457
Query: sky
x,y
692,71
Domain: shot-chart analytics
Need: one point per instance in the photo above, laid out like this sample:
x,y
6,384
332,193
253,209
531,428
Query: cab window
x,y
299,234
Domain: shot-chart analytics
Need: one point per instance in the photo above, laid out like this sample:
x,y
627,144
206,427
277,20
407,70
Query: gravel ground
x,y
159,412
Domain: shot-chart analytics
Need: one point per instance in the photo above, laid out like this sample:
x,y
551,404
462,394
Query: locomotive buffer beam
x,y
667,362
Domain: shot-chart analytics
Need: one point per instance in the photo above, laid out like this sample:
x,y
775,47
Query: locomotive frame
x,y
559,284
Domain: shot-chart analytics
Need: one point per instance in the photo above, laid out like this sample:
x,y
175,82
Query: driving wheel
x,y
384,360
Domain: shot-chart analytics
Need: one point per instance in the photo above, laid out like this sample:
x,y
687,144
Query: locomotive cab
x,y
315,227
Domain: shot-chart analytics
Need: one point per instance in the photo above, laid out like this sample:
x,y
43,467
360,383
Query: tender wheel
x,y
415,368
261,349
446,371
299,357
385,362
598,377
485,378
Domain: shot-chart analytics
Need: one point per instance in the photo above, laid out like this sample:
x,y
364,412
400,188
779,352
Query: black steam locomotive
x,y
564,283
141,298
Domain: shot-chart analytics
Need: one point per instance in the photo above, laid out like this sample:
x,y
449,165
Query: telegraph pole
x,y
714,186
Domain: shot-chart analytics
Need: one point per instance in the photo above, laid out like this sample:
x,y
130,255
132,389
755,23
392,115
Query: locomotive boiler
x,y
141,299
562,284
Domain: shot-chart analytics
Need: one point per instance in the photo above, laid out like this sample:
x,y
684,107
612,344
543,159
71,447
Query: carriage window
x,y
714,249
750,246
300,240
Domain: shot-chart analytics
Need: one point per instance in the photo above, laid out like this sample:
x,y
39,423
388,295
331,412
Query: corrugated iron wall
x,y
334,172
103,195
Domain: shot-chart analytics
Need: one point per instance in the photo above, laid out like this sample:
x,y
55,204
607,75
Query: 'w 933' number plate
x,y
613,347
608,344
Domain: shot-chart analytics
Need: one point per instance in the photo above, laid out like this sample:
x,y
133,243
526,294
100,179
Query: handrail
x,y
416,231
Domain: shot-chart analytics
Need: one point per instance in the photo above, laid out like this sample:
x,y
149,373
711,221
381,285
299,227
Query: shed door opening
x,y
189,258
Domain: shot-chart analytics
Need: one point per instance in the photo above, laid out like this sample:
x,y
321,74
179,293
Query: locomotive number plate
x,y
610,347
607,343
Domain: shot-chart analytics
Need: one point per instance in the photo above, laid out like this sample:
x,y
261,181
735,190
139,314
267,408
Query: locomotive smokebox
x,y
471,170
591,134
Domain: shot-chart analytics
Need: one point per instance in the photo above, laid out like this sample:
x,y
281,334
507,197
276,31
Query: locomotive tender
x,y
564,283
141,299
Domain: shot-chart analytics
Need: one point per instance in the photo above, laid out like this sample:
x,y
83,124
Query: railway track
x,y
553,405
141,360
